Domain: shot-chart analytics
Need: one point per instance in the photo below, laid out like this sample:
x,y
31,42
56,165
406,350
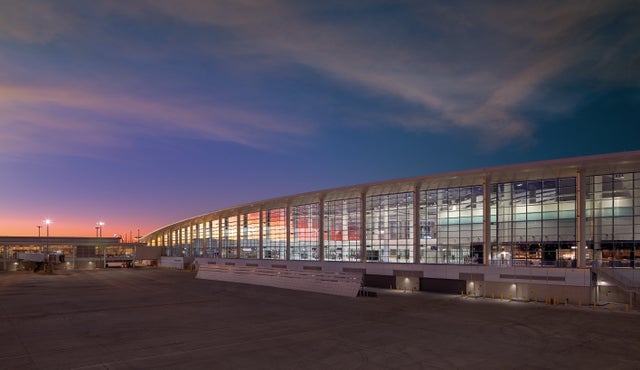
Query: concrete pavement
x,y
167,319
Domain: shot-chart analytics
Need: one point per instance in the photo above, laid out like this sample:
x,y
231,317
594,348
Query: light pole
x,y
47,222
48,267
99,226
39,227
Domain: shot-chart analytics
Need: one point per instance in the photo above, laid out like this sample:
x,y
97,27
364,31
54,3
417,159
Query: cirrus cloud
x,y
458,65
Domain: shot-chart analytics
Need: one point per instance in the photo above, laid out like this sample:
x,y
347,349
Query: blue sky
x,y
141,113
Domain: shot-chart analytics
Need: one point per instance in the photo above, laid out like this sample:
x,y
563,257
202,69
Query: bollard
x,y
626,307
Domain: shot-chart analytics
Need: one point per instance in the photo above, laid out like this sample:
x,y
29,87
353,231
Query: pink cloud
x,y
26,118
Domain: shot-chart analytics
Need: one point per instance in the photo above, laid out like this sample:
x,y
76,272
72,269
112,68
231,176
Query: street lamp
x,y
99,226
47,222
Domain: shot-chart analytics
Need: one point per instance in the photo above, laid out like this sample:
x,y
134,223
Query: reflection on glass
x,y
451,225
230,237
250,235
274,234
342,230
305,232
389,232
533,223
213,239
613,219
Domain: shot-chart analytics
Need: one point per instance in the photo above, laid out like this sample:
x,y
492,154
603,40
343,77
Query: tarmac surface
x,y
167,319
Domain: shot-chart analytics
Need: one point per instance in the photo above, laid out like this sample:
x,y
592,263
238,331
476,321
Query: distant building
x,y
527,231
68,252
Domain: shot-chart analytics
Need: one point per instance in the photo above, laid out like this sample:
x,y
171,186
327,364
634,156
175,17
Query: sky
x,y
142,113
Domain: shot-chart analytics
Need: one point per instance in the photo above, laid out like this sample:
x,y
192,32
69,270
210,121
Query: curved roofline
x,y
573,163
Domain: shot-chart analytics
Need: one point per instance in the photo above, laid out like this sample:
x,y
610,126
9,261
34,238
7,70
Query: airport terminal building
x,y
567,228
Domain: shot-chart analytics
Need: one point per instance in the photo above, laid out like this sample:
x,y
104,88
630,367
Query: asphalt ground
x,y
167,319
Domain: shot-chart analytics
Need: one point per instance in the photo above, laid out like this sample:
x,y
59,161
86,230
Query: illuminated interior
x,y
531,222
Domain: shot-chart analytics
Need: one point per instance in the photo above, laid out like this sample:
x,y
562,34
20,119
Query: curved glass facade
x,y
517,216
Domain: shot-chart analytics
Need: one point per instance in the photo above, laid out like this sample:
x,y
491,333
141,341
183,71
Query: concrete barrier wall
x,y
172,262
343,284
